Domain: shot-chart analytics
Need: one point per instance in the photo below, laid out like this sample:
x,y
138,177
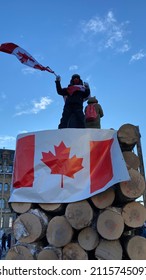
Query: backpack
x,y
90,112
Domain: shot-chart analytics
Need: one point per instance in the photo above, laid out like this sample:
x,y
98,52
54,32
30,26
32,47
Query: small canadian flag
x,y
23,56
66,165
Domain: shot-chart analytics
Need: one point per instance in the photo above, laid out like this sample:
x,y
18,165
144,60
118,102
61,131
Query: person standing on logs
x,y
95,122
74,96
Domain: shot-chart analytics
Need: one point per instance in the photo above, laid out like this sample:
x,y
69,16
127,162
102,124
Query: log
x,y
109,250
79,214
88,238
131,159
128,136
134,214
19,252
131,190
23,251
59,231
73,251
21,207
136,248
104,199
31,226
50,253
110,223
51,207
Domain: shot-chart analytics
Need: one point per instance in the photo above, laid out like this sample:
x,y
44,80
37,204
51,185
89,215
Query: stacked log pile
x,y
101,227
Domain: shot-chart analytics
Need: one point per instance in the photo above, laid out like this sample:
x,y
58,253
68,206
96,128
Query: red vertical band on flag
x,y
101,171
24,162
8,47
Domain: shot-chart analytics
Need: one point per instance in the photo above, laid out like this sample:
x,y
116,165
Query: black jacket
x,y
77,97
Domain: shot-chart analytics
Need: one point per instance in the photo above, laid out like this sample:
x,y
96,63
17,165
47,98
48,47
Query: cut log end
x,y
19,252
21,207
79,214
109,250
48,254
50,207
104,199
110,224
73,251
134,214
30,227
135,187
59,231
88,238
136,248
128,134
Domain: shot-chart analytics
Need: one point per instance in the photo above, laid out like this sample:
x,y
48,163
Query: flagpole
x,y
51,71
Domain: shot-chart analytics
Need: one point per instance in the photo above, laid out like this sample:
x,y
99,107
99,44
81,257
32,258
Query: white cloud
x,y
108,32
7,142
22,131
35,108
94,25
73,67
38,106
28,70
124,48
138,56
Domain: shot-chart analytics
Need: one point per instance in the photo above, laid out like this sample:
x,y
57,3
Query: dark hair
x,y
76,76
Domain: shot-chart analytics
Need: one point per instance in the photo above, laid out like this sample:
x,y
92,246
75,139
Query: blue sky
x,y
102,40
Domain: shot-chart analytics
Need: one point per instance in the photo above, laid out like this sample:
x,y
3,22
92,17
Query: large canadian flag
x,y
66,165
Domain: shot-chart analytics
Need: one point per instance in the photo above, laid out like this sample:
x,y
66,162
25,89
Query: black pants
x,y
67,114
3,246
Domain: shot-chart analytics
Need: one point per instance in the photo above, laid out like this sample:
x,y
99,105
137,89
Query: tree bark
x,y
31,226
131,159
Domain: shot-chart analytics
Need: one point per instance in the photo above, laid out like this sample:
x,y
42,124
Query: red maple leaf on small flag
x,y
24,57
61,163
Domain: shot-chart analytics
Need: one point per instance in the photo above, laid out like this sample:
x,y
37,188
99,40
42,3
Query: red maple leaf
x,y
61,163
24,57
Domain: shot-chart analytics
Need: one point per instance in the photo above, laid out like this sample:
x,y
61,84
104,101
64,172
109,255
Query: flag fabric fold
x,y
23,56
66,165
